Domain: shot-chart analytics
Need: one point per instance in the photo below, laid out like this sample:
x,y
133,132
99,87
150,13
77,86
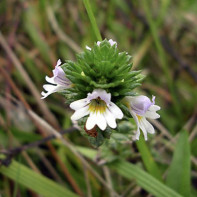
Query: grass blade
x,y
133,172
92,19
178,176
34,181
143,179
148,160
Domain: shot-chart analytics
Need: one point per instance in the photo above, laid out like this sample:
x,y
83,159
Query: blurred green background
x,y
161,37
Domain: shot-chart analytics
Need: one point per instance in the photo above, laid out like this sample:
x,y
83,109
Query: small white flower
x,y
98,106
88,48
111,42
141,108
58,82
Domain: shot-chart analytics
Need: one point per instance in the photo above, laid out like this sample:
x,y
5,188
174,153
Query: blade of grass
x,y
34,181
92,19
143,179
133,172
16,183
148,160
178,176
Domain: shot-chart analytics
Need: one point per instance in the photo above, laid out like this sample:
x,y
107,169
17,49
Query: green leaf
x,y
133,172
34,181
148,160
178,176
143,179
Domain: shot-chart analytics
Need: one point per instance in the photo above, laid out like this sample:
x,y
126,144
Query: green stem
x,y
148,160
92,19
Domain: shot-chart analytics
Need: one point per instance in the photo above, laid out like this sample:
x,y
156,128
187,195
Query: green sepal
x,y
96,141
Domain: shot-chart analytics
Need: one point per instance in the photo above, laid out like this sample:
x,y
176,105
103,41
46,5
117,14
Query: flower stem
x,y
92,19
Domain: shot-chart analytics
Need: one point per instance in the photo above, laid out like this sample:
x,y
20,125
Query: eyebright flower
x,y
141,108
98,106
58,82
111,42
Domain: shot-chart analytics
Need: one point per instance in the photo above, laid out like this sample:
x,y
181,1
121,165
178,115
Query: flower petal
x,y
79,104
91,122
154,108
88,48
148,126
51,89
80,113
58,63
115,110
98,43
111,42
110,119
137,123
50,79
137,135
143,130
151,115
60,76
101,94
140,104
100,121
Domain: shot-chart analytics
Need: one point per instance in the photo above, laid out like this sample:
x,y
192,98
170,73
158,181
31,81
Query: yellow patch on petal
x,y
139,117
97,105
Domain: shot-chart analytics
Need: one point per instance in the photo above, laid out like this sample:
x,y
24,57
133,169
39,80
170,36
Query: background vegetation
x,y
161,37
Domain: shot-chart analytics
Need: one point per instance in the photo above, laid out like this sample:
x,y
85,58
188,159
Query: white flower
x,y
111,42
98,106
88,48
141,108
59,82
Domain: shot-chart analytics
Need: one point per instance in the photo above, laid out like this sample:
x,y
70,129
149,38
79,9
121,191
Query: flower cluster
x,y
99,88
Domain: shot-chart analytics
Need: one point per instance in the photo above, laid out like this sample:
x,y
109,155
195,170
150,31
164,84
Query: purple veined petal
x,y
92,95
80,113
102,94
79,104
58,82
110,119
60,76
140,104
115,110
